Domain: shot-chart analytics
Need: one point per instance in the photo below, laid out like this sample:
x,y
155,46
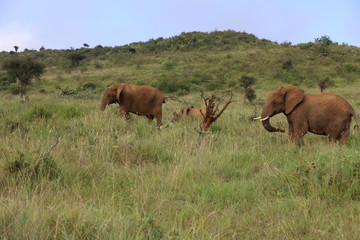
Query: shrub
x,y
250,94
288,65
75,58
172,83
14,88
5,81
89,86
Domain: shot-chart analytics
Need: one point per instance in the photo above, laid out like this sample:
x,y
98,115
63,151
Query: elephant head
x,y
281,100
179,114
111,95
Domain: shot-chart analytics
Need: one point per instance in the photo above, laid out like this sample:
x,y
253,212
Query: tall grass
x,y
108,178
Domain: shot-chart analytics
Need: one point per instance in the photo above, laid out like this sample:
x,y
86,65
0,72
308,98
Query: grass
x,y
111,179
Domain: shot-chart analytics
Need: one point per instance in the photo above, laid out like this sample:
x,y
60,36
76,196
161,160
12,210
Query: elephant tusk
x,y
257,118
263,119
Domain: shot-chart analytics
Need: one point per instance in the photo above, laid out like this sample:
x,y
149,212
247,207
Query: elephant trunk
x,y
265,119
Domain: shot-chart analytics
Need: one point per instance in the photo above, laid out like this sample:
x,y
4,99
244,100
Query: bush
x,y
88,86
14,88
288,65
250,94
172,83
5,81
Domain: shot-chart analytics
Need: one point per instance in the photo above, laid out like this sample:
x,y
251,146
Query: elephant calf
x,y
191,112
322,114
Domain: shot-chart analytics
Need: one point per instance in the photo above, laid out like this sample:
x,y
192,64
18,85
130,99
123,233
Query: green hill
x,y
194,61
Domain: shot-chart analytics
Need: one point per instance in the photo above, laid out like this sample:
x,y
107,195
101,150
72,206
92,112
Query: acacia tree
x,y
24,69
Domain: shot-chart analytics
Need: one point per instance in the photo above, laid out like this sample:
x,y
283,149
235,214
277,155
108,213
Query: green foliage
x,y
288,65
250,94
5,81
247,81
89,86
322,44
324,40
14,88
75,58
173,83
24,69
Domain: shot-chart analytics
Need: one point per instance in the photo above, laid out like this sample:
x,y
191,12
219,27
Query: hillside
x,y
194,61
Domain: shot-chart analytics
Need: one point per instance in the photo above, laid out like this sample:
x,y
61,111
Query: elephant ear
x,y
120,87
293,96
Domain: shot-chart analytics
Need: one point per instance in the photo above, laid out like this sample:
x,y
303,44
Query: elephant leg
x,y
125,114
340,132
150,118
297,132
158,120
344,135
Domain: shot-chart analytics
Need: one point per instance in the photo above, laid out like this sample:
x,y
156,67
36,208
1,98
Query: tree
x,y
86,45
24,69
325,83
246,82
322,44
16,48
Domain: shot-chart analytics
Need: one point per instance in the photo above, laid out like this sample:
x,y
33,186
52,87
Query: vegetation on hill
x,y
195,61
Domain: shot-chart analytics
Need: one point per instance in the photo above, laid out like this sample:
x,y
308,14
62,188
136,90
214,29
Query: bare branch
x,y
226,105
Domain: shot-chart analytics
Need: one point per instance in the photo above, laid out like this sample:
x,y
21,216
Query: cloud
x,y
13,34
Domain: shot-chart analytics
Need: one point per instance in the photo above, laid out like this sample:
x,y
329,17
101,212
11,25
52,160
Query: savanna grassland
x,y
70,171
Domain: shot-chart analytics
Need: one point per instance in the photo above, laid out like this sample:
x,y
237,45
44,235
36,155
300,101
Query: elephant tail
x,y
356,126
171,97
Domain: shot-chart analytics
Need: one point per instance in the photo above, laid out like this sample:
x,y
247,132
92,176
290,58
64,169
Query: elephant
x,y
191,112
322,114
139,100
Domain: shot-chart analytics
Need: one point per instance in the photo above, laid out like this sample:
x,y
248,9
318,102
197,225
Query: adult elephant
x,y
140,100
322,114
191,112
